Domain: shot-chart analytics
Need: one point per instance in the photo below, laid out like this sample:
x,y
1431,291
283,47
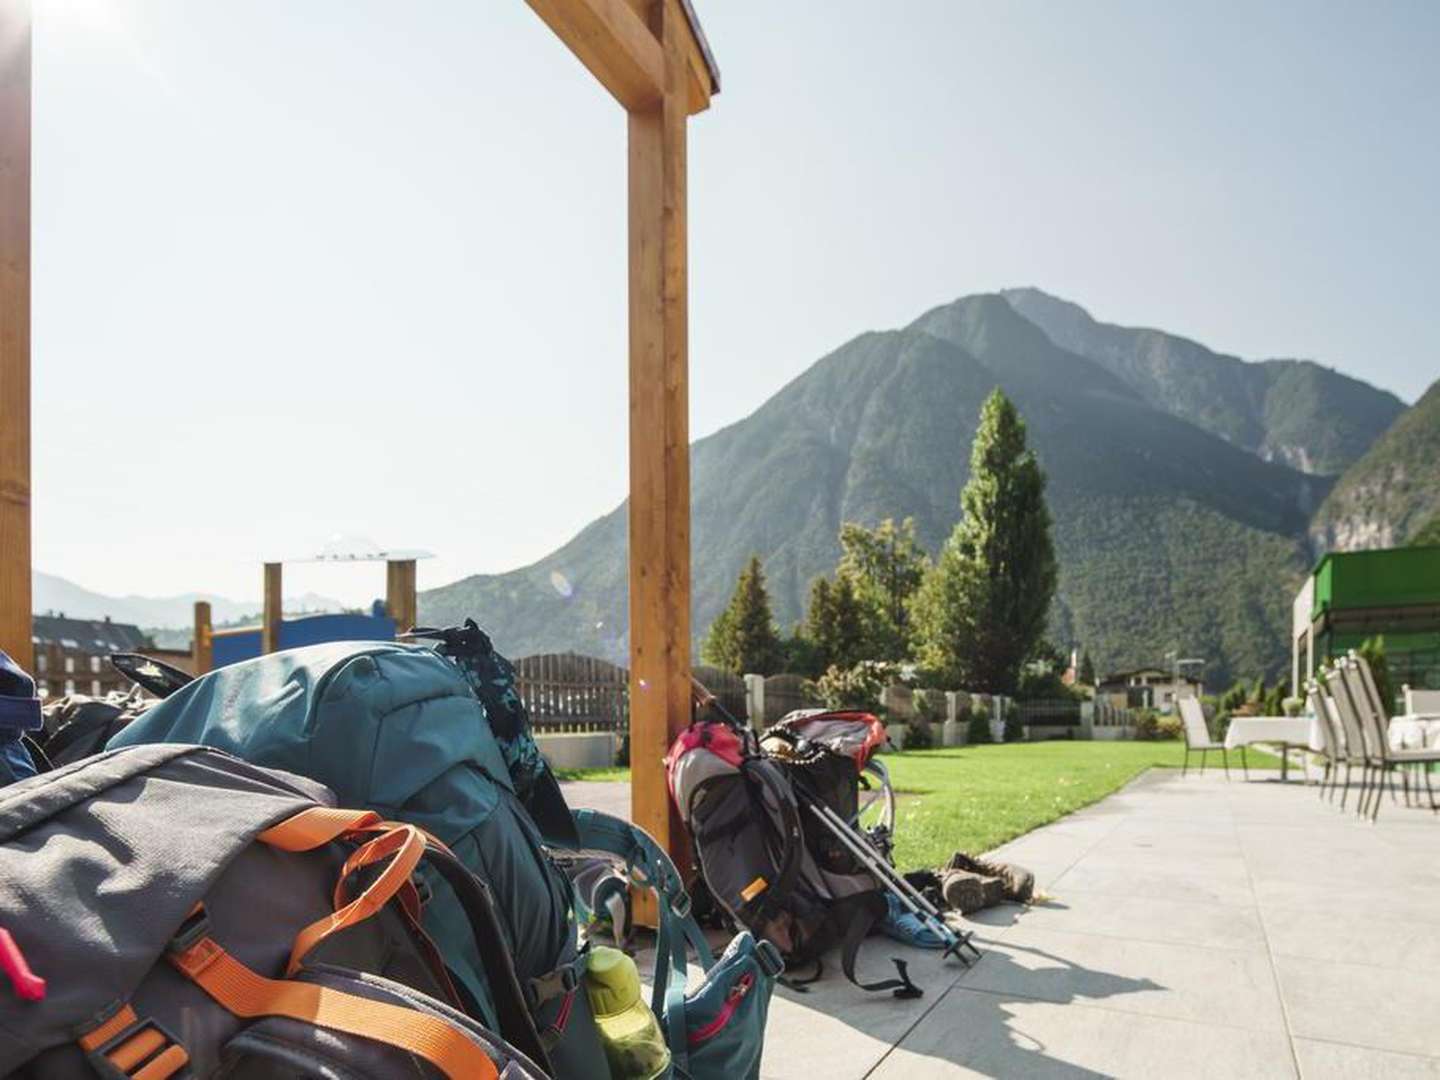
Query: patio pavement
x,y
1193,928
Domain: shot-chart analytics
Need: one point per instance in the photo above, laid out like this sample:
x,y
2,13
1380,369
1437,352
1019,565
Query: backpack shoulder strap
x,y
651,866
859,914
769,776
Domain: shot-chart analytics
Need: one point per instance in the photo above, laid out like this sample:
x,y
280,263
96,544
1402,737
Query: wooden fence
x,y
729,688
783,694
1058,712
570,692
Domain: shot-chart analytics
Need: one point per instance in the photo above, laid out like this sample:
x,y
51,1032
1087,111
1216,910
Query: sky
x,y
358,267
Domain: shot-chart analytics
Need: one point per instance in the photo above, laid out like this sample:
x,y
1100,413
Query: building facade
x,y
1352,596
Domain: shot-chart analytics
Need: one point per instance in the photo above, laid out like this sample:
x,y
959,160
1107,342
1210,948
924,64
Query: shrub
x,y
1014,730
1147,725
858,687
1169,728
622,752
918,735
929,705
978,730
1293,706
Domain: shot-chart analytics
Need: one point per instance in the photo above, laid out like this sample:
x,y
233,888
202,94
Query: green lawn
x,y
974,798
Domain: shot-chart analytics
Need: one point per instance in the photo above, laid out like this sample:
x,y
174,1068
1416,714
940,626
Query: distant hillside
x,y
1294,411
56,594
1392,492
1167,534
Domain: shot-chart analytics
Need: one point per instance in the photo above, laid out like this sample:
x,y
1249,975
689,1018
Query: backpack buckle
x,y
423,891
195,929
144,1043
769,958
680,904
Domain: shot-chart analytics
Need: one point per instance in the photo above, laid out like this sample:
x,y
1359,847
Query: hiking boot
x,y
964,891
1017,884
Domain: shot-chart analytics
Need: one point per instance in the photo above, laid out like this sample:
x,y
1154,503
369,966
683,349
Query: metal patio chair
x,y
1364,692
1197,738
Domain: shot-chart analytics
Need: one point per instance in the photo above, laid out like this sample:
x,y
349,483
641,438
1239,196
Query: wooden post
x,y
274,609
202,649
659,439
400,601
15,626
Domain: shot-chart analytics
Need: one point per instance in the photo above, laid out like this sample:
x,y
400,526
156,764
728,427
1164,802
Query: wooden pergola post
x,y
400,593
202,647
659,442
274,608
15,627
652,56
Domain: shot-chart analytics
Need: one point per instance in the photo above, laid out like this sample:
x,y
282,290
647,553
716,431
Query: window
x,y
94,687
69,686
69,664
41,662
95,664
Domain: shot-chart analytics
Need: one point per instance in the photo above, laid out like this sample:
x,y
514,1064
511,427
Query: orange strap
x,y
149,1044
403,846
248,994
317,827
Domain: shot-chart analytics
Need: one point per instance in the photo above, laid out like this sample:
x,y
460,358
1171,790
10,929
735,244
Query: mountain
x,y
55,594
1391,493
1293,411
1167,534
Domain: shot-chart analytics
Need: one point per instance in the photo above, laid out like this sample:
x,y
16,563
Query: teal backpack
x,y
397,729
718,1031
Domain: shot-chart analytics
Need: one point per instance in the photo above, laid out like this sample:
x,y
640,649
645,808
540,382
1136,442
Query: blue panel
x,y
232,647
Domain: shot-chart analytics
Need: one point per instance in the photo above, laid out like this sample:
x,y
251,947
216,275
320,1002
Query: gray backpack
x,y
192,913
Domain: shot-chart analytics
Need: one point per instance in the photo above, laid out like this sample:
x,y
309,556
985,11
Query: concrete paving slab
x,y
1336,1061
1172,921
1361,1005
972,1033
1343,935
1233,987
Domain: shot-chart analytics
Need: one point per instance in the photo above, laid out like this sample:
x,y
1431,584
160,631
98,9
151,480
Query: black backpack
x,y
764,863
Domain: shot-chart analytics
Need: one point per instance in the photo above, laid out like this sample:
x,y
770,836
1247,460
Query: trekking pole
x,y
894,882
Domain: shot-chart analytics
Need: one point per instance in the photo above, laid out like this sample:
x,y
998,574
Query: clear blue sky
x,y
359,266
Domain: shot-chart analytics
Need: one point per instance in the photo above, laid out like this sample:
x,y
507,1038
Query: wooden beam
x,y
15,624
610,39
202,647
659,440
400,593
274,608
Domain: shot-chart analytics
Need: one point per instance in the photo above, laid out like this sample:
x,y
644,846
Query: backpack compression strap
x,y
247,994
404,845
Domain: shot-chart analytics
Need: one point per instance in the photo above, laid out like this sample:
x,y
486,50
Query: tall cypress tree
x,y
983,608
744,639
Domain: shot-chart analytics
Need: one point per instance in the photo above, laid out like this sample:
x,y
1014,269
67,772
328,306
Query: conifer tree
x,y
743,639
983,607
835,623
1087,669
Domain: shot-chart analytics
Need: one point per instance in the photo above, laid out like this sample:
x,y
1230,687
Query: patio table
x,y
1420,731
1283,731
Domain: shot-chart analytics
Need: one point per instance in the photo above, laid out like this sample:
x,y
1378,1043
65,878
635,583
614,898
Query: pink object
x,y
28,986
